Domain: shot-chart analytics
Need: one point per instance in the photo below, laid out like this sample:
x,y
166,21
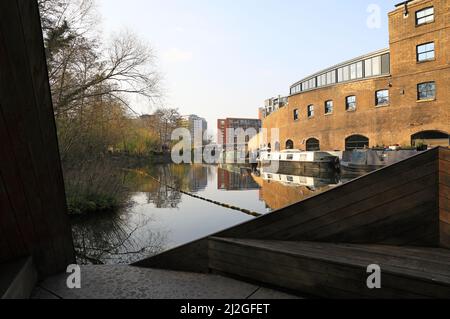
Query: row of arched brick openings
x,y
351,143
360,142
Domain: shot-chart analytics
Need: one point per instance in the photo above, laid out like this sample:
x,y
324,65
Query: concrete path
x,y
127,282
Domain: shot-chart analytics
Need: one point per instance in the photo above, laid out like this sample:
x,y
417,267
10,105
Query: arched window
x,y
312,145
289,145
356,142
430,138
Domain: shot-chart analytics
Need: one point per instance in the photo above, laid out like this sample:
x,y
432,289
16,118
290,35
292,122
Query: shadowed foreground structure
x,y
33,213
397,217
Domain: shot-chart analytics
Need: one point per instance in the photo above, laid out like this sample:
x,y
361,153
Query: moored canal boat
x,y
369,160
307,162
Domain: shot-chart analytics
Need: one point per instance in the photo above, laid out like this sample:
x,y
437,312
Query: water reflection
x,y
160,217
235,178
115,239
279,190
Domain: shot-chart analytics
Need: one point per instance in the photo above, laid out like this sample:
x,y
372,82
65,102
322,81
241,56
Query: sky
x,y
223,58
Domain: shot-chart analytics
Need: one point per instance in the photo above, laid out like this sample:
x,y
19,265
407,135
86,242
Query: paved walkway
x,y
127,282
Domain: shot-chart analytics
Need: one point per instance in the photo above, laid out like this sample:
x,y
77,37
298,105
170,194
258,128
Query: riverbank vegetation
x,y
93,78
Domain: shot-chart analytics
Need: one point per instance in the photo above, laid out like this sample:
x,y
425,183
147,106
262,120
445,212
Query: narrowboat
x,y
369,160
299,161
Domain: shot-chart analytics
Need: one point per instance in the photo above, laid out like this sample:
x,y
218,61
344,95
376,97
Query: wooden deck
x,y
396,215
335,270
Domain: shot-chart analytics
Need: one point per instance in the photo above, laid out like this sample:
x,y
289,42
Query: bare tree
x,y
82,68
165,121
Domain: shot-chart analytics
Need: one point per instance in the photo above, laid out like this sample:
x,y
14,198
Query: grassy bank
x,y
98,186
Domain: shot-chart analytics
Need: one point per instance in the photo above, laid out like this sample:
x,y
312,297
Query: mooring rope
x,y
242,210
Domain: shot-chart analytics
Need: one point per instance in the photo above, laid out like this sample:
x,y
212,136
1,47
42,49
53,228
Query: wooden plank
x,y
312,209
192,257
363,214
445,235
310,220
358,189
305,282
403,228
304,269
6,227
296,273
357,255
445,216
444,154
444,203
12,208
444,191
30,168
444,170
20,118
299,273
51,172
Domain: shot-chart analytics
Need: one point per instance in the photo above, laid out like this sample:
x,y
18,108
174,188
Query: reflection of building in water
x,y
227,180
279,194
197,178
191,178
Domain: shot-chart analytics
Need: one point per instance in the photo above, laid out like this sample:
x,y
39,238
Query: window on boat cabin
x,y
290,179
290,157
425,16
426,91
382,97
296,115
310,111
425,52
329,107
350,103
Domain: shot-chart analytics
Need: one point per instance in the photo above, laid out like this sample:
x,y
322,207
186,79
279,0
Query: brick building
x,y
399,95
226,127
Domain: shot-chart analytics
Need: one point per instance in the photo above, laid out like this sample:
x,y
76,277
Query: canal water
x,y
160,217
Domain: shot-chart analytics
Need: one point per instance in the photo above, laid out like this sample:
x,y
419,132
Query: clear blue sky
x,y
223,58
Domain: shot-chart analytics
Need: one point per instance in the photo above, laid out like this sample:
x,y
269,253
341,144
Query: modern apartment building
x,y
399,95
274,104
226,129
196,124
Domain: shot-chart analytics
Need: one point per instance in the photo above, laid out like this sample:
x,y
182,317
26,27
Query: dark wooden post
x,y
33,209
444,196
